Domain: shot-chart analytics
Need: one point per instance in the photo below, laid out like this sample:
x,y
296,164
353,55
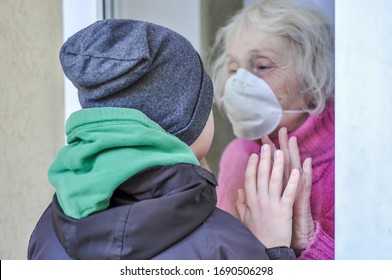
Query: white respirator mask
x,y
251,106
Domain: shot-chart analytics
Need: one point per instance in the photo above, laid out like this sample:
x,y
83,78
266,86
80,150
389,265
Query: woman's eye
x,y
232,68
232,71
261,69
262,66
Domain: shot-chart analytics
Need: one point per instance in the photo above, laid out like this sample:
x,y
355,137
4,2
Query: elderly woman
x,y
273,70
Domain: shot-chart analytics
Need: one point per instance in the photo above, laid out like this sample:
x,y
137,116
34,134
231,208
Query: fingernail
x,y
253,156
294,139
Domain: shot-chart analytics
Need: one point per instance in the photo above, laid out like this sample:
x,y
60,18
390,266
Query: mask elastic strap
x,y
293,111
289,112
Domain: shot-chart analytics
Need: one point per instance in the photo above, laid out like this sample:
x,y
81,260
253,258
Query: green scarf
x,y
105,147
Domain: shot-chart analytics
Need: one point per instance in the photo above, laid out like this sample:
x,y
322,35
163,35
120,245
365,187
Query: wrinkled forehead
x,y
250,40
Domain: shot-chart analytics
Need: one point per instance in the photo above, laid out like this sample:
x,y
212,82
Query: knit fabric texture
x,y
316,139
143,66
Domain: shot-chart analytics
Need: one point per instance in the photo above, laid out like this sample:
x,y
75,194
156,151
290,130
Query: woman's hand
x,y
265,207
303,225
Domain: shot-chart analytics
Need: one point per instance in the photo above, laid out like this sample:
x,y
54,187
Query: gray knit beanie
x,y
143,66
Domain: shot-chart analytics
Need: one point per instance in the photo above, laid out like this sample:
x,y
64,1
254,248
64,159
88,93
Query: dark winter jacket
x,y
164,211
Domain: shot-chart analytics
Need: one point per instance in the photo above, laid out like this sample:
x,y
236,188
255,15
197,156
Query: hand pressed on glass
x,y
303,225
265,206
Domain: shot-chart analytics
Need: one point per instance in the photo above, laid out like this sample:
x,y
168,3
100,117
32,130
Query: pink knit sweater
x,y
316,139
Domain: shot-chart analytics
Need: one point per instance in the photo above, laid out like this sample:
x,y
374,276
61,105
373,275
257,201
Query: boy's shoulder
x,y
44,244
219,237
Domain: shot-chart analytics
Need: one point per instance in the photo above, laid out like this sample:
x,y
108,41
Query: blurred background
x,y
36,99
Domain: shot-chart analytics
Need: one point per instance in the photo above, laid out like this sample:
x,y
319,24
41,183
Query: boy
x,y
128,183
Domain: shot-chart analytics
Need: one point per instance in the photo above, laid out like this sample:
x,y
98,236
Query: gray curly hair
x,y
310,34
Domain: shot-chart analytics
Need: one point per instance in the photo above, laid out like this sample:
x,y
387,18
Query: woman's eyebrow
x,y
263,52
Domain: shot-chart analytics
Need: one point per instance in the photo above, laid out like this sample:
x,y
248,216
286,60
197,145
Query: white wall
x,y
363,129
31,114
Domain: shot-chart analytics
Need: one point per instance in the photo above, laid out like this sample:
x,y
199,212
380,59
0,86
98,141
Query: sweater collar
x,y
316,135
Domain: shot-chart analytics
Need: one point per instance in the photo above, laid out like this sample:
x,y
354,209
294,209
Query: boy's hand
x,y
264,206
303,225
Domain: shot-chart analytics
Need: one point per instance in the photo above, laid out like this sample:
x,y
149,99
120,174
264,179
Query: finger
x,y
264,170
251,179
307,173
275,185
304,189
284,146
295,158
290,191
240,204
266,140
283,143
